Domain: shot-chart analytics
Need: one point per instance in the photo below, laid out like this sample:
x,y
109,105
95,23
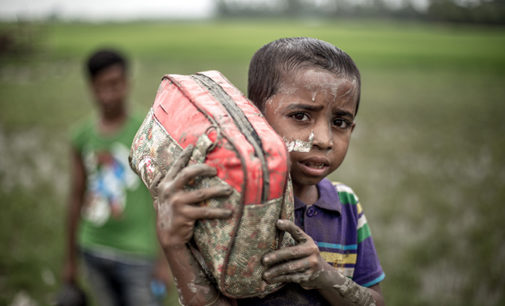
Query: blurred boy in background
x,y
111,221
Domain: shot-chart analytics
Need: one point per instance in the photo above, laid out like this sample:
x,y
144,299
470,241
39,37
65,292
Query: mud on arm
x,y
303,264
177,211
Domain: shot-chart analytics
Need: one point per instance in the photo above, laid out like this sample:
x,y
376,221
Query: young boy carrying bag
x,y
309,92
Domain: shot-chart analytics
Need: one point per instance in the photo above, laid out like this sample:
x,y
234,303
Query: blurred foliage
x,y
478,11
19,39
482,12
426,157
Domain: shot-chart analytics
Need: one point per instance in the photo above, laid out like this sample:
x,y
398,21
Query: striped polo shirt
x,y
337,224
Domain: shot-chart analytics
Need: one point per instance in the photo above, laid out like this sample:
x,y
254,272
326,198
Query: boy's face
x,y
313,109
110,88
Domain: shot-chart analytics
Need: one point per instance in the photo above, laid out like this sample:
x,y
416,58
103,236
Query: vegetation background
x,y
427,157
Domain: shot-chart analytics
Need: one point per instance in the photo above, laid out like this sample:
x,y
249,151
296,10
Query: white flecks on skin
x,y
298,145
324,82
192,287
164,216
341,87
287,89
179,292
351,90
270,101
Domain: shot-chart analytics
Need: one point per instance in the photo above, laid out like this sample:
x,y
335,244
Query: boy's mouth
x,y
314,166
317,165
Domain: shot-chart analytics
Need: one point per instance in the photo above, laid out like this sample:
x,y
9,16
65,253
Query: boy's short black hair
x,y
285,55
102,59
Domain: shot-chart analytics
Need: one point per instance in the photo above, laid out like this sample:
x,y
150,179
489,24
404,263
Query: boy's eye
x,y
300,116
342,123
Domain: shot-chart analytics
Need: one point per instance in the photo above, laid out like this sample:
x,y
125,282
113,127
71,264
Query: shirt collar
x,y
328,197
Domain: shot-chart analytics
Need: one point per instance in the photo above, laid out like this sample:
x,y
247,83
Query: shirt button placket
x,y
311,211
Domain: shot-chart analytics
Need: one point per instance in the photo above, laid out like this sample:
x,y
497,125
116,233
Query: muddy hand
x,y
298,264
177,208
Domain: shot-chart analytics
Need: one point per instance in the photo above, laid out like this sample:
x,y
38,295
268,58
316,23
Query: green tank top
x,y
117,214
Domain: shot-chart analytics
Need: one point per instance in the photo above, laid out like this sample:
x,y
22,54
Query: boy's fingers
x,y
153,188
156,181
186,175
170,185
200,195
297,233
289,253
181,162
196,213
290,267
291,278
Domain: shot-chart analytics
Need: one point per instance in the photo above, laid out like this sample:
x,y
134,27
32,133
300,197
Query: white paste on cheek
x,y
299,145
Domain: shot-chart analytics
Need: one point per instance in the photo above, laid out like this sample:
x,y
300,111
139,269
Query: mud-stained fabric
x,y
230,134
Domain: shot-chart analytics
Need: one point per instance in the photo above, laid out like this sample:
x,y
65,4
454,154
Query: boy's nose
x,y
323,139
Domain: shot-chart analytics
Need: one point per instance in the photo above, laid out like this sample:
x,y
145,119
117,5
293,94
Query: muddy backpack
x,y
230,134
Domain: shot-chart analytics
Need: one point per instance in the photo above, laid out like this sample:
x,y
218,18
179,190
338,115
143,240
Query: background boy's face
x,y
314,107
110,88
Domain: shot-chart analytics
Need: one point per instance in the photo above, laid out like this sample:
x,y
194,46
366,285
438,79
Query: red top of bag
x,y
176,115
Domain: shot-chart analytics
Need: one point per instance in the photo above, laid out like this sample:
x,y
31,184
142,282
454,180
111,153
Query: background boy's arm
x,y
303,264
177,211
75,202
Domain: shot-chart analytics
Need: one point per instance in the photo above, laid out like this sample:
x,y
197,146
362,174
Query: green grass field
x,y
427,157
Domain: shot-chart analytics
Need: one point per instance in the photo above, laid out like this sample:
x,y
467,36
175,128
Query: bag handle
x,y
204,144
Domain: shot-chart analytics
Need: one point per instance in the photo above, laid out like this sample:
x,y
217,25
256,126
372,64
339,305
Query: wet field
x,y
426,159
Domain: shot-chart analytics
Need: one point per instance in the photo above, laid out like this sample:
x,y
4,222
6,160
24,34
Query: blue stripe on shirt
x,y
375,281
337,246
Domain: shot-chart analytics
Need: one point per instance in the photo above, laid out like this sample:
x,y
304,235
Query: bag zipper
x,y
242,123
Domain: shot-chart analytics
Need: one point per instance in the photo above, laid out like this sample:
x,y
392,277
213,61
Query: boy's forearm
x,y
192,284
71,228
72,223
340,290
75,203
